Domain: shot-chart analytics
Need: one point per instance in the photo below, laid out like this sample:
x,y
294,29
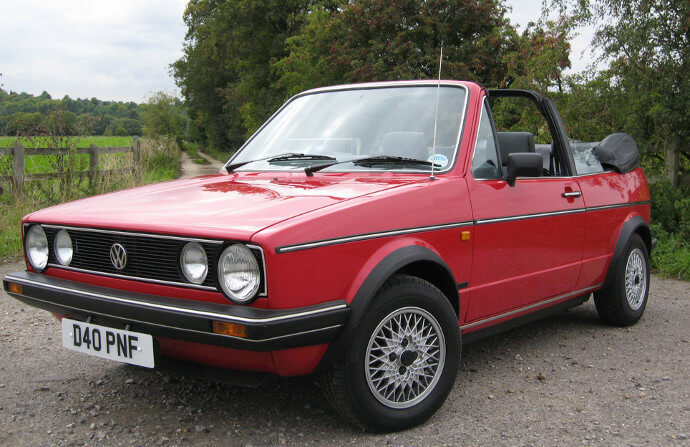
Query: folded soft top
x,y
619,152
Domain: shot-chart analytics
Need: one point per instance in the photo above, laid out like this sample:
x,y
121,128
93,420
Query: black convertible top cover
x,y
619,152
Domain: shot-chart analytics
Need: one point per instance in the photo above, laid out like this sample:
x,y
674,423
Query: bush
x,y
672,254
163,115
671,226
671,208
160,158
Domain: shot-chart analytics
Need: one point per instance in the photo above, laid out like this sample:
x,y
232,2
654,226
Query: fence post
x,y
18,169
673,160
136,156
93,165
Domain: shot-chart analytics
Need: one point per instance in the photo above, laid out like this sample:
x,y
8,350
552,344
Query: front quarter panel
x,y
337,270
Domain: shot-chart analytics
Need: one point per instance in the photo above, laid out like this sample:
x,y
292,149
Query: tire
x,y
357,387
622,302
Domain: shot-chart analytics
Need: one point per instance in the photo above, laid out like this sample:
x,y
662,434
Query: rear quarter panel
x,y
628,196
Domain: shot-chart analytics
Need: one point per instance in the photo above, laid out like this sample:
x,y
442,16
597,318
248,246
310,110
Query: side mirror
x,y
524,164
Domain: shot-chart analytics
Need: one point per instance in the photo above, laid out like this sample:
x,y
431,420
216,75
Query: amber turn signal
x,y
465,236
14,288
232,329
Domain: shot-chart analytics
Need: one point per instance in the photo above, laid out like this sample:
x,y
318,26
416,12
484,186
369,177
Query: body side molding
x,y
365,236
529,317
445,226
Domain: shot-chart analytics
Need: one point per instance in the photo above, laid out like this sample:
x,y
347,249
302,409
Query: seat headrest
x,y
545,151
405,144
510,142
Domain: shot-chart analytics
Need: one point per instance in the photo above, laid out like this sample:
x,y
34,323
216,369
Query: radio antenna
x,y
438,93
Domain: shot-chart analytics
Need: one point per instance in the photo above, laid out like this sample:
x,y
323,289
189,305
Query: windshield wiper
x,y
392,159
289,156
232,166
299,157
370,161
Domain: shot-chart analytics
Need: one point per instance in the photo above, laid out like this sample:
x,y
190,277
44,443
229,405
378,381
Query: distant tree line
x,y
23,113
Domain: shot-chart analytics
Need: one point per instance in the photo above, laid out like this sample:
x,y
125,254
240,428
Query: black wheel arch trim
x,y
389,265
634,225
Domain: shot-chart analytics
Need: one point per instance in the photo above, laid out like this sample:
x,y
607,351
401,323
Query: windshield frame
x,y
367,86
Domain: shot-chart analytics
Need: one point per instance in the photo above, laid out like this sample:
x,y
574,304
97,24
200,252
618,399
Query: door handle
x,y
571,194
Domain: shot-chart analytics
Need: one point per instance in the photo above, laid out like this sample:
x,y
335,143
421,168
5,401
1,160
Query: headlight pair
x,y
239,274
37,252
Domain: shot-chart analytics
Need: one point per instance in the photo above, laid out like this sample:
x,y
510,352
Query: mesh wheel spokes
x,y
405,357
635,279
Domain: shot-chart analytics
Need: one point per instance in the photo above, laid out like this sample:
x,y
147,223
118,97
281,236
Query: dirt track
x,y
191,169
567,380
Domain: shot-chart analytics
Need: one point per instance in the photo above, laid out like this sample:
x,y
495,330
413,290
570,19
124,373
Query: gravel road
x,y
566,380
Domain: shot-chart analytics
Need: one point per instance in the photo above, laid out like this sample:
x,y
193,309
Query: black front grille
x,y
147,257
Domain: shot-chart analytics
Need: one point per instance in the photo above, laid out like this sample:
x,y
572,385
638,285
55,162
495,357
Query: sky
x,y
112,50
121,50
581,54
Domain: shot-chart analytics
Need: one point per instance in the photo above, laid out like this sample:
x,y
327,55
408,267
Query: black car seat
x,y
546,152
511,142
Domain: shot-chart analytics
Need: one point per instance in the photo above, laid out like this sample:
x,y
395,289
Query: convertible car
x,y
363,233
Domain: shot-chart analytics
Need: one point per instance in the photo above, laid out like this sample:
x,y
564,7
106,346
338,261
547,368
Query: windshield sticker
x,y
439,159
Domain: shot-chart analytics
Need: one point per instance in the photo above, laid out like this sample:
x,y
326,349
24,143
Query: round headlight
x,y
37,247
194,263
63,247
238,273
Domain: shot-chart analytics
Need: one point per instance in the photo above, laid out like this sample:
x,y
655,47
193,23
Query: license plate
x,y
114,344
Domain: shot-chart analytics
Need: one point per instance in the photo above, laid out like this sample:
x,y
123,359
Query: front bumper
x,y
266,330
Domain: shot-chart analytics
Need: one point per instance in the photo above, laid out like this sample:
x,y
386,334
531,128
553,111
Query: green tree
x,y
243,58
23,123
225,74
62,122
536,62
540,56
645,43
87,124
162,115
375,40
132,126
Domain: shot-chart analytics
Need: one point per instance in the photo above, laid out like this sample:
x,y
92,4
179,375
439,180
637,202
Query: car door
x,y
528,238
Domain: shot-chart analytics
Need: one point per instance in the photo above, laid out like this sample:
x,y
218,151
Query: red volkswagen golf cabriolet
x,y
363,233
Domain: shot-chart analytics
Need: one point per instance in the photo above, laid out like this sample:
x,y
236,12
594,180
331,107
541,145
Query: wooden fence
x,y
19,152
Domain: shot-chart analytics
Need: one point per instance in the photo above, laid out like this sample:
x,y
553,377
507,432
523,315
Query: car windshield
x,y
347,125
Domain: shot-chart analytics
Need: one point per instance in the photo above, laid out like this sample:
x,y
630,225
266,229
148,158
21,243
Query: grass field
x,y
81,141
35,164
